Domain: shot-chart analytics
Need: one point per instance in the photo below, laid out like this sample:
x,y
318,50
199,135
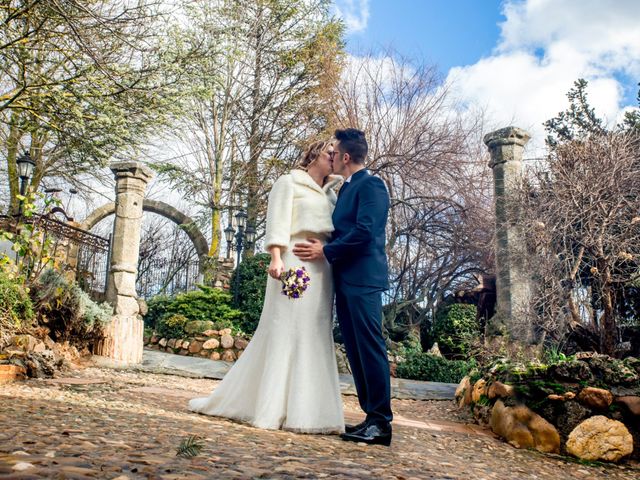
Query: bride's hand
x,y
276,267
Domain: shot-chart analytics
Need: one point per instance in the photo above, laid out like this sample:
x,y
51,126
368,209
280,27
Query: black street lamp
x,y
25,168
243,236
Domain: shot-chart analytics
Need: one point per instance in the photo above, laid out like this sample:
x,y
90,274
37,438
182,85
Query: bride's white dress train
x,y
287,377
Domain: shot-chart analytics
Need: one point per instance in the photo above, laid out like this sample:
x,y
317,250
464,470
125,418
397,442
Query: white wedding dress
x,y
287,377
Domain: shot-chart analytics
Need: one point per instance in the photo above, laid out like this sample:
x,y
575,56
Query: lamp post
x,y
244,235
25,168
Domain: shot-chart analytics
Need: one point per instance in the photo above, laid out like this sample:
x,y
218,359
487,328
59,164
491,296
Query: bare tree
x,y
431,159
583,222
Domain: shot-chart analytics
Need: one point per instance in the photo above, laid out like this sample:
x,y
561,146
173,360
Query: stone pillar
x,y
513,283
123,341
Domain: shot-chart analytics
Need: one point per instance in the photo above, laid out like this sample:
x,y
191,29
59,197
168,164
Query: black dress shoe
x,y
372,434
355,428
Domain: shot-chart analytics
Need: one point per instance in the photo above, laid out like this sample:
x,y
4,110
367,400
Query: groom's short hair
x,y
353,142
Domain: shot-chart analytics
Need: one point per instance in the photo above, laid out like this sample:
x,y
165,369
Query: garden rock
x,y
227,341
632,403
11,373
571,371
435,350
215,356
25,342
479,390
598,398
499,390
600,438
225,331
566,415
240,343
228,356
523,428
610,371
211,344
463,392
210,333
195,347
195,327
163,342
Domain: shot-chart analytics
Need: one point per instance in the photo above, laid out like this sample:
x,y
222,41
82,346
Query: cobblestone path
x,y
125,425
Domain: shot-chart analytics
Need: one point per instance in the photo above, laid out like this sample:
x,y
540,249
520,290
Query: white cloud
x,y
545,46
354,13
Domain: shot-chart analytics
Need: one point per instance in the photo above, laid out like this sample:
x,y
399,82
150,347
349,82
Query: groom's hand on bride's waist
x,y
309,251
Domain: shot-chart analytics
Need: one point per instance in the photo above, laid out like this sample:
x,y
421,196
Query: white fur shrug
x,y
298,204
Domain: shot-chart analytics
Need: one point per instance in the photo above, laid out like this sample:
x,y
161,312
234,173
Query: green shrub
x,y
454,328
67,311
16,309
172,326
206,303
252,278
426,367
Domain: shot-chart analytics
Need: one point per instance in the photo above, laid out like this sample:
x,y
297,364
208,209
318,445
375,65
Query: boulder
x,y
632,404
215,356
240,343
172,343
571,371
598,398
154,339
11,373
163,342
565,415
600,438
185,345
479,390
195,347
210,333
195,327
463,392
25,342
228,356
211,344
523,428
225,331
435,350
500,390
227,341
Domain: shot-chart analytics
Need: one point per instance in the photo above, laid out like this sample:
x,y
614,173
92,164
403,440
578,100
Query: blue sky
x,y
514,59
445,33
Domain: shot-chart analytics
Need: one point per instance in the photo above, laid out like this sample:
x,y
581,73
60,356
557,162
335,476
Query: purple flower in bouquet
x,y
294,282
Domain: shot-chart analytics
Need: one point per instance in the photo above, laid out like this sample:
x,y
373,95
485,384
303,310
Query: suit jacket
x,y
356,250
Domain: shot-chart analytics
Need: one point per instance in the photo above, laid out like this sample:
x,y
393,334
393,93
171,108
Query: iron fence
x,y
161,276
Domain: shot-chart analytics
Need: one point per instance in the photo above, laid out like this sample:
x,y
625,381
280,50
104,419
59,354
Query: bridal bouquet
x,y
294,282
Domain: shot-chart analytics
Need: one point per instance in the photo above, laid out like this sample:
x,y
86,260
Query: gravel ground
x,y
121,424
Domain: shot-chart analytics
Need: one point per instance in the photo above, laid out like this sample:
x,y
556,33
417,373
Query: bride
x,y
287,377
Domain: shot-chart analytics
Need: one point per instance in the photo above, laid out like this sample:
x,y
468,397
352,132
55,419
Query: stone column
x,y
123,341
513,283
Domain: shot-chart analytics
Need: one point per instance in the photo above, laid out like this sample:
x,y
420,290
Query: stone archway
x,y
165,210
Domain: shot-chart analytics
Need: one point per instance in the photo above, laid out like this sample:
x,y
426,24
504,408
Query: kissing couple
x,y
287,378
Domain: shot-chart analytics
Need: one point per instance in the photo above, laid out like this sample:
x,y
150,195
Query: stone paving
x,y
102,423
160,362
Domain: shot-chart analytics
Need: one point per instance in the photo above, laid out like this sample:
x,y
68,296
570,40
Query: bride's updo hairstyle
x,y
311,154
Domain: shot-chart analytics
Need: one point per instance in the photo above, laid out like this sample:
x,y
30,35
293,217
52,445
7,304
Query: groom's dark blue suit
x,y
356,253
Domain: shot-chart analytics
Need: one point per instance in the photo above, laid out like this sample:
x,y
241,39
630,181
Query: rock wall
x,y
587,406
212,344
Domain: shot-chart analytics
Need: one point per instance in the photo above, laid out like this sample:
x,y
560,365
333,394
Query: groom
x,y
360,272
